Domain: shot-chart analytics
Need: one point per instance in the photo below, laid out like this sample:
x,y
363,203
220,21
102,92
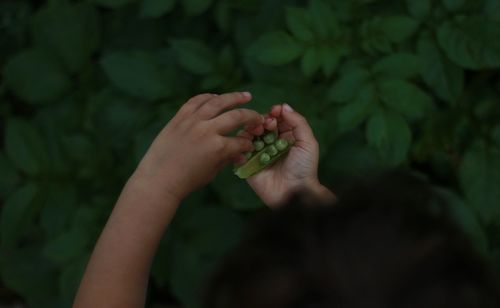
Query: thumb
x,y
301,130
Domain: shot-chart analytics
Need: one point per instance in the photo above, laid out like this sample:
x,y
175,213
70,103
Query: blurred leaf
x,y
440,74
199,244
24,147
297,20
67,246
330,57
389,133
345,89
235,192
9,178
419,9
356,112
23,74
479,177
404,97
156,8
69,280
113,3
399,28
399,65
136,73
30,275
70,31
194,56
471,42
310,61
59,206
276,48
323,19
16,213
454,5
196,7
466,219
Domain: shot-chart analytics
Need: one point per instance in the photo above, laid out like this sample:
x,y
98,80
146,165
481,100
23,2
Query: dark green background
x,y
86,85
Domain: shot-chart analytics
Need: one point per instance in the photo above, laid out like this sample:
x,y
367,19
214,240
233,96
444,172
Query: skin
x,y
118,271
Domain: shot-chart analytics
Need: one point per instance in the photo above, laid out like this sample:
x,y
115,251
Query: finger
x,y
284,127
271,124
235,118
235,146
244,133
302,132
239,159
196,101
276,111
218,104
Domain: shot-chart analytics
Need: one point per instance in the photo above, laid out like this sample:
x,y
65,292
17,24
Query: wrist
x,y
155,187
320,191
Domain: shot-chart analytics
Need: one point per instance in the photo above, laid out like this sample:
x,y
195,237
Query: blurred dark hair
x,y
387,242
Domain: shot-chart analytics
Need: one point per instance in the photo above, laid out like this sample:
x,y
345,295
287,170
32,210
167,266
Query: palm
x,y
274,184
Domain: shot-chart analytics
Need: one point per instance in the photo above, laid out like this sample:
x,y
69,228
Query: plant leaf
x,y
156,8
23,74
194,56
298,23
399,65
16,213
9,178
479,176
136,73
346,88
419,9
471,42
196,7
399,28
440,74
24,147
389,133
70,31
404,97
353,114
276,48
454,5
113,3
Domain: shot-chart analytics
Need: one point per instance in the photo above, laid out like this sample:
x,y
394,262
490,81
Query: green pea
x,y
281,144
248,155
264,158
272,150
258,145
269,138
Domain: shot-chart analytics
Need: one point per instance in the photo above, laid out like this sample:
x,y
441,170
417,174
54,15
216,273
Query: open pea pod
x,y
268,150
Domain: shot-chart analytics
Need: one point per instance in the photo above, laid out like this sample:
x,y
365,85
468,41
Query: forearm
x,y
118,271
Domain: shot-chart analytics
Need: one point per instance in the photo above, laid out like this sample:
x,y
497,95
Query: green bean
x,y
269,137
264,158
258,145
281,144
268,150
272,150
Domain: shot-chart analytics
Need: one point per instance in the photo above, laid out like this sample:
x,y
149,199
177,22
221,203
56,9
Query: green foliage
x,y
87,84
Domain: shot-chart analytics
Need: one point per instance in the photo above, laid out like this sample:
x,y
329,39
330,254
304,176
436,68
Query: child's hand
x,y
298,169
193,146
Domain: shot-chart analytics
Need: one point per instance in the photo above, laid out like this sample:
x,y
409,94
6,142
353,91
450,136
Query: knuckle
x,y
238,115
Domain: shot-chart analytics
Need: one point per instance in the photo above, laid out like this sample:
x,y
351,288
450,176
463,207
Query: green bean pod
x,y
263,157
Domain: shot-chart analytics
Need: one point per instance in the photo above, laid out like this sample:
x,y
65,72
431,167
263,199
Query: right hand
x,y
299,169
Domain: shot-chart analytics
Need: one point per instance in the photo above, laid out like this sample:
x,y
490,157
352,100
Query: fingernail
x,y
247,94
287,108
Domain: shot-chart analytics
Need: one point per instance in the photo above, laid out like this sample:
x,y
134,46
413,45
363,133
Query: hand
x,y
193,146
300,167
